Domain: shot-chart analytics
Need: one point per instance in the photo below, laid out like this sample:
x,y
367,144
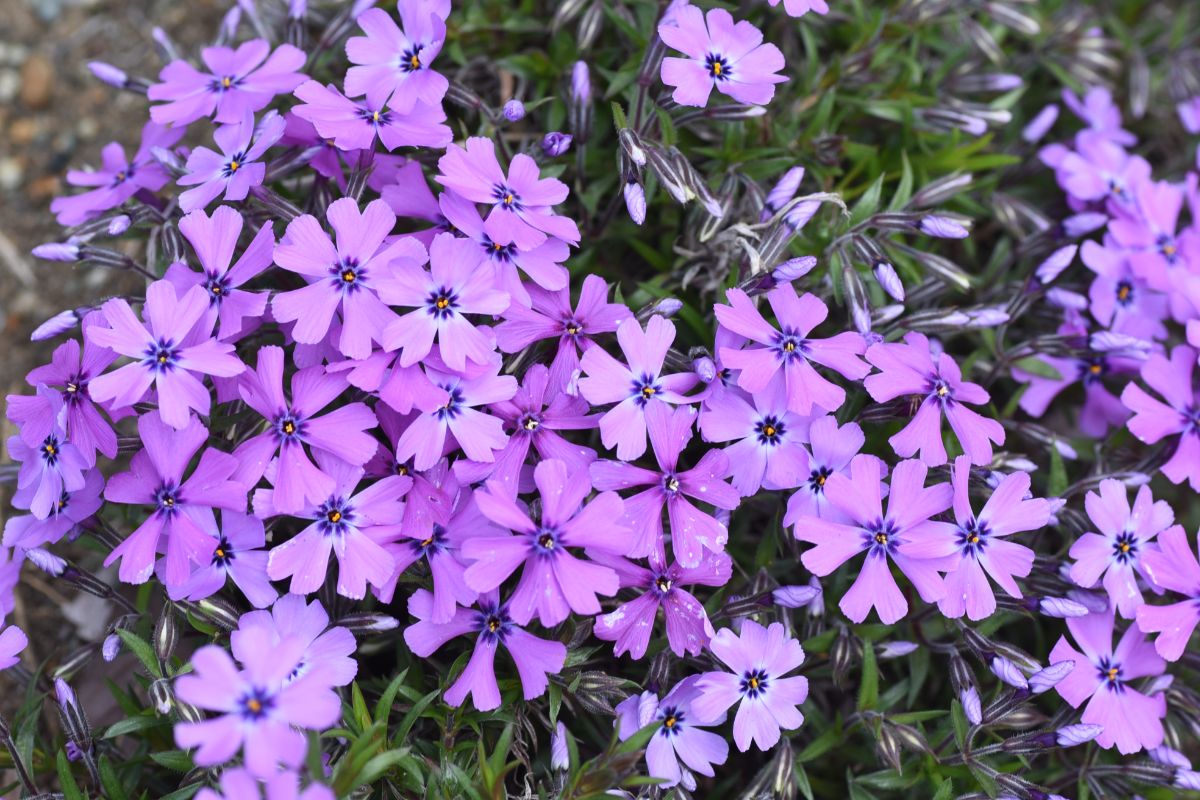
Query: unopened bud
x,y
794,596
1040,125
514,110
1073,735
971,705
1061,608
635,201
888,280
368,623
555,144
57,251
111,647
1046,679
108,74
794,268
560,758
1054,265
897,649
161,695
942,227
119,224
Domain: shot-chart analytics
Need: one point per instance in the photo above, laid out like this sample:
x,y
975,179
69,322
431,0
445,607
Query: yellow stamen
x,y
334,516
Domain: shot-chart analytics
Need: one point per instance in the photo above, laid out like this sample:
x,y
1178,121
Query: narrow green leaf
x,y
868,690
66,780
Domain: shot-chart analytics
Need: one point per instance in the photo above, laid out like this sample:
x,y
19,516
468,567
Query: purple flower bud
x,y
988,317
1157,684
554,144
668,306
1170,757
73,752
635,201
60,323
888,280
971,705
942,227
297,9
57,251
1120,344
782,192
108,73
360,6
1059,260
514,110
1186,779
119,224
1094,603
816,608
1066,299
230,22
1008,672
168,159
46,561
111,646
897,649
794,596
799,215
1040,124
1046,679
581,83
647,705
1061,608
560,757
794,268
1083,224
1077,734
705,368
64,693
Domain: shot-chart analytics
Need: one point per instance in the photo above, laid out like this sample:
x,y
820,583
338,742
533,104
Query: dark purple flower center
x,y
224,83
670,483
881,538
289,426
769,430
1111,675
334,517
529,423
940,390
545,542
51,450
505,196
453,406
493,622
754,683
217,287
410,59
60,506
256,703
235,162
75,389
1191,419
498,252
572,327
1116,187
662,584
645,389
441,303
377,117
167,498
973,538
789,345
433,544
1125,548
161,356
1124,292
1167,247
816,480
718,67
124,175
223,555
1092,369
348,275
672,721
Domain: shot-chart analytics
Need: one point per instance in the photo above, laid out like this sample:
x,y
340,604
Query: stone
x,y
37,81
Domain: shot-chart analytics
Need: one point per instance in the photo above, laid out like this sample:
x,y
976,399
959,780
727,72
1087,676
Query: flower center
x,y
754,683
645,389
1111,675
442,303
1124,293
770,430
972,538
50,449
671,718
288,426
506,197
223,554
816,481
572,327
530,423
881,538
453,406
410,59
663,584
718,67
167,498
671,484
334,517
1125,548
256,703
161,356
218,288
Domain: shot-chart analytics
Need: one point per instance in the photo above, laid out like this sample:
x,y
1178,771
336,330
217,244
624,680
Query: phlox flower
x,y
1119,299
768,439
1173,566
237,81
758,660
356,124
634,387
680,736
786,353
239,556
240,784
553,581
912,368
833,448
1103,679
235,170
169,350
1097,169
721,54
798,8
980,542
490,621
182,508
630,624
1150,237
1101,114
1101,409
693,532
1154,419
327,649
12,642
50,470
1116,552
399,58
521,200
905,535
65,514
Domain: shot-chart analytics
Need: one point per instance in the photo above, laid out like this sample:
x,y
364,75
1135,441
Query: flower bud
x,y
111,647
631,143
581,83
1170,757
1040,125
166,634
368,623
635,201
161,696
1046,679
108,74
46,561
514,110
897,649
668,306
119,224
57,251
888,280
782,192
555,144
705,368
1186,779
971,705
794,596
942,227
793,269
1073,735
560,757
1083,224
1061,608
1053,266
1008,672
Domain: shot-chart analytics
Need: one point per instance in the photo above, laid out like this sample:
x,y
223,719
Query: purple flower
x,y
260,711
345,278
688,630
905,535
1101,409
555,144
912,368
341,522
118,179
721,54
238,555
1154,419
12,642
542,263
692,531
214,240
798,8
1116,552
50,470
1103,677
240,784
169,352
355,124
551,316
327,650
490,621
182,509
521,201
635,387
1120,300
237,81
454,286
1097,170
397,60
479,435
768,449
680,736
785,353
758,660
553,582
64,517
1150,238
1172,565
533,422
237,168
340,433
980,544
832,450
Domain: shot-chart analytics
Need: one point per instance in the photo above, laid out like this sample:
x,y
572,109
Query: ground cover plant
x,y
633,399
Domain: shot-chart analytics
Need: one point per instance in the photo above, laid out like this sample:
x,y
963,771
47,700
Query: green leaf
x,y
134,725
868,204
185,793
619,116
819,746
639,740
904,189
413,715
66,780
961,724
1056,484
383,707
1035,366
178,760
802,782
113,788
868,690
142,649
